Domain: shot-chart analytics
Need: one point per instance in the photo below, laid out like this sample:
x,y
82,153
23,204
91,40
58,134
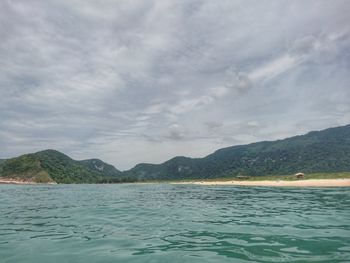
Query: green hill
x,y
318,151
53,166
326,151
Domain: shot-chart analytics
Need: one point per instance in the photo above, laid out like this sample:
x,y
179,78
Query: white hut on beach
x,y
299,175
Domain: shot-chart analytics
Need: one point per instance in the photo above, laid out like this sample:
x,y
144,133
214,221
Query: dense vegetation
x,y
321,151
25,167
51,165
326,151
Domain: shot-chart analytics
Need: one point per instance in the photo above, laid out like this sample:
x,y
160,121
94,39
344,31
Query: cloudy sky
x,y
142,81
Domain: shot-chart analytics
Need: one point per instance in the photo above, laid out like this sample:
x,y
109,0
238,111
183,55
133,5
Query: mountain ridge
x,y
324,145
316,151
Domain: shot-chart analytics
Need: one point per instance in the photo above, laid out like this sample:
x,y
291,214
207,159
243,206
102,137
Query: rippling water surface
x,y
173,223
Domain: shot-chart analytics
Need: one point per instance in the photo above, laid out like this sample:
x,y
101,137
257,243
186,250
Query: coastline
x,y
4,180
278,183
345,182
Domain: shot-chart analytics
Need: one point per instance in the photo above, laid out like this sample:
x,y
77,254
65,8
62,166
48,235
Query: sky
x,y
143,81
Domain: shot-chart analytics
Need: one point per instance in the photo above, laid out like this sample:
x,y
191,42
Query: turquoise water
x,y
173,223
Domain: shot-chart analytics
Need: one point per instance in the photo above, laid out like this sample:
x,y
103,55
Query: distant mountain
x,y
317,151
98,166
53,166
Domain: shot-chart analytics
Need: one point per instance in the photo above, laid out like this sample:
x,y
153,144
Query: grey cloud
x,y
304,45
237,80
131,81
175,132
212,125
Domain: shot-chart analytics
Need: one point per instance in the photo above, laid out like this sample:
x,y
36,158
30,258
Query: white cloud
x,y
273,68
132,81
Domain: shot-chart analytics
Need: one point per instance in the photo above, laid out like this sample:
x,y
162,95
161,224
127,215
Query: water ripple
x,y
173,223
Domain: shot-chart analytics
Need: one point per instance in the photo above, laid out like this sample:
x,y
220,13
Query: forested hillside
x,y
51,165
318,151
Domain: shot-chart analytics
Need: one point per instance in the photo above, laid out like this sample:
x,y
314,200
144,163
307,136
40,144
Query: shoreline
x,y
278,183
14,181
345,182
4,180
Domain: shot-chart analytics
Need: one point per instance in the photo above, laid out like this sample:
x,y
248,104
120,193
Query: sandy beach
x,y
4,180
298,183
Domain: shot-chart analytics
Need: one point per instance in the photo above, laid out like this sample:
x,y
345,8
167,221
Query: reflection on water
x,y
173,223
